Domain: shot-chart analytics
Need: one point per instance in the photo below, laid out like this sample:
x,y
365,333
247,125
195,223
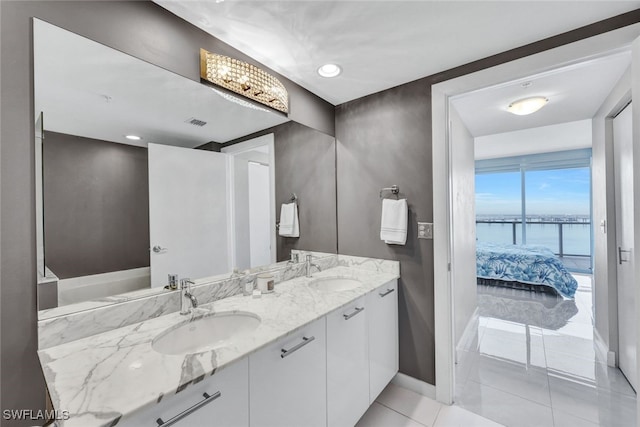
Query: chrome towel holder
x,y
394,189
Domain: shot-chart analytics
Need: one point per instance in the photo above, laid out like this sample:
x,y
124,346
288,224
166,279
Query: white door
x,y
623,161
259,214
188,201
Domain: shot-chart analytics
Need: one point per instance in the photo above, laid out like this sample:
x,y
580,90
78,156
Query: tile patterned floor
x,y
531,362
399,407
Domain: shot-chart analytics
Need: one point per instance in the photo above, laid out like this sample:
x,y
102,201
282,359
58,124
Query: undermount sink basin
x,y
335,284
205,333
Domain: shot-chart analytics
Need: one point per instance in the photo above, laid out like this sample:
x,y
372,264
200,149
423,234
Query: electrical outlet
x,y
425,230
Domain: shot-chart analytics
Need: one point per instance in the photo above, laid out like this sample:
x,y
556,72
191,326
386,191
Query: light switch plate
x,y
425,230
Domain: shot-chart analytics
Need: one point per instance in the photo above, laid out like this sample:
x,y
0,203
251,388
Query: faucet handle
x,y
173,282
185,283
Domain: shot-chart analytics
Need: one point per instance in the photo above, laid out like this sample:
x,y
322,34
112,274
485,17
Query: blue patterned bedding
x,y
525,264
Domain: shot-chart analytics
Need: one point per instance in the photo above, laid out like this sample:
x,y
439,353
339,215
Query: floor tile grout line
x,y
398,412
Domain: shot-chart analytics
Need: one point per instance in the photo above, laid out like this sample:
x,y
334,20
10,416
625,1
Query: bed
x,y
523,266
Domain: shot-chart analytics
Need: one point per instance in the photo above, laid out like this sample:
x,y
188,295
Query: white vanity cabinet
x,y
288,380
225,406
347,364
382,307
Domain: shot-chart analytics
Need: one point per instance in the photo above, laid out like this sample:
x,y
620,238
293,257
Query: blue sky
x,y
554,192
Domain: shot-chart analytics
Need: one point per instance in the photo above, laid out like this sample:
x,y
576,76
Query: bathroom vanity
x,y
315,352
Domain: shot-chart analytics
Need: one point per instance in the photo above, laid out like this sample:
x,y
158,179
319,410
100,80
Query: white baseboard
x,y
602,350
415,385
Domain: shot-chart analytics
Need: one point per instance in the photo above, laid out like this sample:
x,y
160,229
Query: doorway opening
x,y
515,346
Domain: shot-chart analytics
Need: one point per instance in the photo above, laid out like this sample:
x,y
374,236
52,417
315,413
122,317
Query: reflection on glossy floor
x,y
532,362
399,407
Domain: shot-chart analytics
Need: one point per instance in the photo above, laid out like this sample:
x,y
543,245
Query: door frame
x,y
441,94
243,147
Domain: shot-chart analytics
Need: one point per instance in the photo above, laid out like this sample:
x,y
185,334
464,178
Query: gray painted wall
x,y
305,162
96,204
384,139
139,28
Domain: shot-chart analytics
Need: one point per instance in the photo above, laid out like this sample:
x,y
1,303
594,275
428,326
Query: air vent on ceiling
x,y
196,122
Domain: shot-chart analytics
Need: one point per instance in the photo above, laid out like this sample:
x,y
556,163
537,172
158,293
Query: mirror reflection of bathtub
x,y
118,215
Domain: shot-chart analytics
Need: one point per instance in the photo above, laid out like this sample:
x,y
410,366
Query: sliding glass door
x,y
542,199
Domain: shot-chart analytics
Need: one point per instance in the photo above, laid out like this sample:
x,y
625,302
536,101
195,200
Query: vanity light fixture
x,y
525,106
330,70
133,137
244,79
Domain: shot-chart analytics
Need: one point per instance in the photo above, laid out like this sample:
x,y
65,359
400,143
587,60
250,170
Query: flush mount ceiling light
x,y
133,137
525,106
329,70
244,79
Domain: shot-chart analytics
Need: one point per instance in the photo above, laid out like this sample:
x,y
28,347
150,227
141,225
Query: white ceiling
x,y
574,92
381,44
90,90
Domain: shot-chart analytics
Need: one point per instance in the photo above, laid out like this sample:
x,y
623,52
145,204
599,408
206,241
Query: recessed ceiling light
x,y
329,70
133,137
525,106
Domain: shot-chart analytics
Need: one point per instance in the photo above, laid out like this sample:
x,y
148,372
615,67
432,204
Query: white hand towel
x,y
289,226
395,215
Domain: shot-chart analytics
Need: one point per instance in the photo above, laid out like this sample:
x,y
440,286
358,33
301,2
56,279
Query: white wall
x,y
464,225
545,139
604,241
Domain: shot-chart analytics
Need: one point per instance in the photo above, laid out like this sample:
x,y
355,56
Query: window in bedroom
x,y
541,199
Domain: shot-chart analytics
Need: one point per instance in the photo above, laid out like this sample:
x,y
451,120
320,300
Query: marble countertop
x,y
101,378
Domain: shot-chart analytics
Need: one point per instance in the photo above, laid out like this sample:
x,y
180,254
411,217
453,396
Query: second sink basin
x,y
335,284
208,332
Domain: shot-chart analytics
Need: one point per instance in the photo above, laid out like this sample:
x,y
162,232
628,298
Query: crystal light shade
x,y
522,107
244,79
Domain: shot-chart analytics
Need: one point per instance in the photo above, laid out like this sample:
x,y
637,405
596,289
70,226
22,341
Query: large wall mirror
x,y
136,177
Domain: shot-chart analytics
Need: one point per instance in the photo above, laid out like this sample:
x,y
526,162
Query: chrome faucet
x,y
187,297
309,265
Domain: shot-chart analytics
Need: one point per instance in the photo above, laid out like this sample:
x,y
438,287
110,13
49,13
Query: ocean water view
x,y
576,238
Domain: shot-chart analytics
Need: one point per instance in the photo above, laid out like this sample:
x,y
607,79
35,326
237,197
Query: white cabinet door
x,y
347,364
382,316
226,406
287,380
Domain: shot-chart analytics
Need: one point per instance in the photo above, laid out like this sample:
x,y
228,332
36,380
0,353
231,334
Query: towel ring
x,y
394,189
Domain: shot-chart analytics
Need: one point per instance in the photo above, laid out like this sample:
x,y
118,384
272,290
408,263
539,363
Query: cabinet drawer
x,y
383,337
288,380
226,406
347,364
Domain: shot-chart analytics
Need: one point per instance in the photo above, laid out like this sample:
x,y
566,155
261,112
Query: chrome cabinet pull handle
x,y
305,341
207,399
356,311
384,294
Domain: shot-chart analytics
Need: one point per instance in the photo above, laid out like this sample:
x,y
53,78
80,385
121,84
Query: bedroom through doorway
x,y
526,348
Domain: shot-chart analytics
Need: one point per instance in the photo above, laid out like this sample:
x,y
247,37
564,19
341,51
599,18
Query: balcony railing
x,y
560,239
